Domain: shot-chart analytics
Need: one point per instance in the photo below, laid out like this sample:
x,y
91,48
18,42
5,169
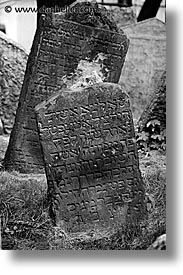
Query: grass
x,y
26,225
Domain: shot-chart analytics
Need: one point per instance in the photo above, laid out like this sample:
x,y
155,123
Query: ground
x,y
25,223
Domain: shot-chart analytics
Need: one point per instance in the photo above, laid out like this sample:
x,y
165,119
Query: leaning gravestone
x,y
156,107
91,160
145,61
13,60
59,46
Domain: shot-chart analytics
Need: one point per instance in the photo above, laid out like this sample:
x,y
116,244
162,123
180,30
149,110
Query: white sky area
x,y
21,27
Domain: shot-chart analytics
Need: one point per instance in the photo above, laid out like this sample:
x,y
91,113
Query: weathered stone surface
x,y
123,16
54,4
156,107
159,244
13,60
58,47
90,14
91,160
145,61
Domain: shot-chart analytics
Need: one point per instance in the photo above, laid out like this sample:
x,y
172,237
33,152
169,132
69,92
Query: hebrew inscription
x,y
58,47
91,159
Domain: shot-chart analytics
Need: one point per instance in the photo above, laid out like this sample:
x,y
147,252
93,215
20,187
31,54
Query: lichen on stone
x,y
87,73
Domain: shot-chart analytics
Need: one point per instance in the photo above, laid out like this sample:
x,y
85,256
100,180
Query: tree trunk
x,y
149,9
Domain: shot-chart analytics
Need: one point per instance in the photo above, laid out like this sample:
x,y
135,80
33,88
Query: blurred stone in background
x,y
156,107
145,61
13,60
123,16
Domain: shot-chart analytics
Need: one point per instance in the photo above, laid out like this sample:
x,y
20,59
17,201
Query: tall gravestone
x,y
59,45
13,60
145,61
91,160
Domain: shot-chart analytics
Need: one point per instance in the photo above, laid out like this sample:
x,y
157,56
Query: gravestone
x,y
156,107
145,61
59,46
91,160
13,60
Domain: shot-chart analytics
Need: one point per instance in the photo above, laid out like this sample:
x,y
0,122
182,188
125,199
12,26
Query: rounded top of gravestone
x,y
90,14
